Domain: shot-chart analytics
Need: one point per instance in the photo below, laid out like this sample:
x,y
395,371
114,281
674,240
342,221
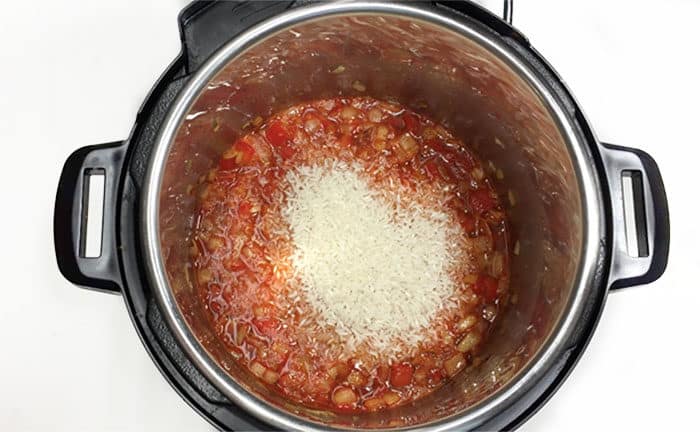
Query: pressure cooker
x,y
591,217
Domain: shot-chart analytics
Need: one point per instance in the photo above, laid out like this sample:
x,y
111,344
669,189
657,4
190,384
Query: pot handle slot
x,y
84,222
508,11
640,220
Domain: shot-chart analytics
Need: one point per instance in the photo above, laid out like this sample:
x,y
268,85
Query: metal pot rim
x,y
559,342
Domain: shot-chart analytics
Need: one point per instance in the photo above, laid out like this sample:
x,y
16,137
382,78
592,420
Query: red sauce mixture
x,y
242,247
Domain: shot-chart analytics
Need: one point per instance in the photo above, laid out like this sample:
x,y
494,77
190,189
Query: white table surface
x,y
73,73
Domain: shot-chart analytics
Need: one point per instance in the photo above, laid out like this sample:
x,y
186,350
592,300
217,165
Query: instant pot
x,y
586,217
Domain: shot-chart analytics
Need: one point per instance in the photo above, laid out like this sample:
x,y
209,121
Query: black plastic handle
x,y
100,273
651,217
205,26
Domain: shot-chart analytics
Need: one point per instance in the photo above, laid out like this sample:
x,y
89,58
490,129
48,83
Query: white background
x,y
73,73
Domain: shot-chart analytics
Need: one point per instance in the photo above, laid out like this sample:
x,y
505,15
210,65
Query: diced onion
x,y
241,332
258,369
214,243
312,124
349,113
467,322
357,85
204,276
374,404
497,264
338,70
454,364
469,342
356,378
391,398
344,396
375,115
270,377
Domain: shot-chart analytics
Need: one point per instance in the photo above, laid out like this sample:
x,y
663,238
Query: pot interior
x,y
455,80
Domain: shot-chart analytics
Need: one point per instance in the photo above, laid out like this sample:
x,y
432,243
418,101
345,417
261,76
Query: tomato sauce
x,y
242,246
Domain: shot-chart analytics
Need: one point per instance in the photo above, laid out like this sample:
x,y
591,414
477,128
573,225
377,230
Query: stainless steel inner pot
x,y
460,74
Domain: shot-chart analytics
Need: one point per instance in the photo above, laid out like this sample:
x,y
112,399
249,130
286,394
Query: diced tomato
x,y
436,169
486,286
431,169
482,200
397,122
468,222
277,134
215,307
240,154
401,374
262,150
235,265
244,210
435,376
279,137
246,152
268,191
266,326
435,144
228,294
286,151
412,123
445,172
345,140
227,163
